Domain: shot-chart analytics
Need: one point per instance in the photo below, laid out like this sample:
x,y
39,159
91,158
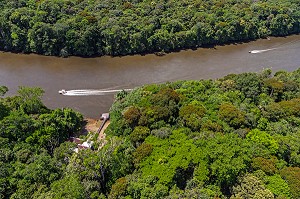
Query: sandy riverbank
x,y
92,125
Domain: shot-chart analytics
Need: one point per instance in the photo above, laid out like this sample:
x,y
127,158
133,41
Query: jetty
x,y
104,117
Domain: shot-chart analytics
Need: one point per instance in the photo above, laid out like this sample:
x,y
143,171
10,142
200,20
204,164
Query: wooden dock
x,y
104,118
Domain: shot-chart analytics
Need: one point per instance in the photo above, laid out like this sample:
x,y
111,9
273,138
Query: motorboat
x,y
256,51
261,51
62,92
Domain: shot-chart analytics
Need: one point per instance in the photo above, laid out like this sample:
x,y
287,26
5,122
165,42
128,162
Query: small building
x,y
86,145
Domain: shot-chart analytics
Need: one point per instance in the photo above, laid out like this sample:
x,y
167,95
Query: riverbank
x,y
92,126
89,28
156,53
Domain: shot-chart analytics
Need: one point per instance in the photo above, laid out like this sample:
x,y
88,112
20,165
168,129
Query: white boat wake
x,y
261,51
87,92
276,47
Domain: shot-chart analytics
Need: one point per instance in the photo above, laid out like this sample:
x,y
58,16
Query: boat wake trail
x,y
261,51
87,92
277,47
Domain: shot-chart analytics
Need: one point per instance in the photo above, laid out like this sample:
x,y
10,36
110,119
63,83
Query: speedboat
x,y
261,51
62,92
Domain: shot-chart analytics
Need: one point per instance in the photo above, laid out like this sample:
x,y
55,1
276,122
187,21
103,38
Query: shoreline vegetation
x,y
116,28
183,139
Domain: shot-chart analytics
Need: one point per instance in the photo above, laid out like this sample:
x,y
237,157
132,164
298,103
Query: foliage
x,y
276,111
228,156
69,187
4,110
141,152
148,187
27,167
118,189
55,128
139,134
231,115
111,27
29,177
249,84
266,165
194,192
289,148
292,176
17,126
191,115
235,137
132,116
263,138
162,133
167,158
278,186
31,99
250,186
3,90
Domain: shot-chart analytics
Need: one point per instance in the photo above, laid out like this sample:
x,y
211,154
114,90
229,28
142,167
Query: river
x,y
53,73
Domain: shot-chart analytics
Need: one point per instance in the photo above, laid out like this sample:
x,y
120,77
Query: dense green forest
x,y
33,151
120,27
236,137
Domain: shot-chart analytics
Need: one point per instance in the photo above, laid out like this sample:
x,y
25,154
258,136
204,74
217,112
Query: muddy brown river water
x,y
53,73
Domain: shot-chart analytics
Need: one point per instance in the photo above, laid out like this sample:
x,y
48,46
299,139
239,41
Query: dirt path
x,y
91,125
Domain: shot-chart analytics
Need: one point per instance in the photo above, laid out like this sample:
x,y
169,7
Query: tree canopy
x,y
185,139
113,27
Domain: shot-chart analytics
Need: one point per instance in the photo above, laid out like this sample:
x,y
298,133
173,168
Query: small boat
x,y
62,92
261,51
